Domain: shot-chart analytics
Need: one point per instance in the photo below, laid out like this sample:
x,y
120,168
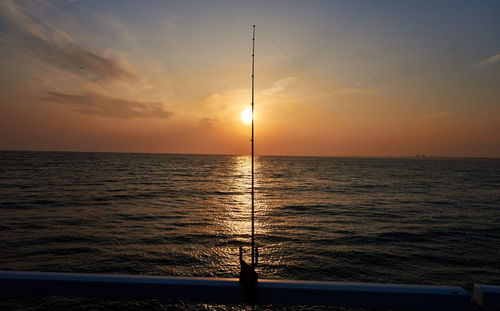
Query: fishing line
x,y
319,82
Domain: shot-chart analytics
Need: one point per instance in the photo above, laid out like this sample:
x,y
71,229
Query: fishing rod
x,y
253,190
248,276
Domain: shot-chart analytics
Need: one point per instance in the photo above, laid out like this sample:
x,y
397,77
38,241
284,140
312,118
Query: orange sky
x,y
364,79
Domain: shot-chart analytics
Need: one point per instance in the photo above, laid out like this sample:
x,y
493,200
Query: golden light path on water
x,y
233,219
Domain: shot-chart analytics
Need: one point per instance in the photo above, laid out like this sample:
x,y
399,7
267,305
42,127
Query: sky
x,y
333,78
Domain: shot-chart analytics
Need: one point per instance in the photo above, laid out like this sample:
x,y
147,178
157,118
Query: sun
x,y
246,115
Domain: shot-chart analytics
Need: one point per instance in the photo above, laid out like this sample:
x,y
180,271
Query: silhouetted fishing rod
x,y
253,114
248,276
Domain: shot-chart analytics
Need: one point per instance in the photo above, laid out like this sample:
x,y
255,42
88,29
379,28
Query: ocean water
x,y
391,220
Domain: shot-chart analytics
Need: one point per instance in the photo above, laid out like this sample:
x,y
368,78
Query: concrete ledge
x,y
228,291
487,296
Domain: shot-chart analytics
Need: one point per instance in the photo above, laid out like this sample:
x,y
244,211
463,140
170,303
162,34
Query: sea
x,y
407,220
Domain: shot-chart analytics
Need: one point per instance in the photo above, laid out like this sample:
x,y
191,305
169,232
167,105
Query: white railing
x,y
228,291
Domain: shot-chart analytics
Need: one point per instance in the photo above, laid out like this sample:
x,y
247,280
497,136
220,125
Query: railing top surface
x,y
117,278
210,281
223,290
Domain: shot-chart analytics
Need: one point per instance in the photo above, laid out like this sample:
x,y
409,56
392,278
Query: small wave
x,y
403,236
438,202
28,225
16,206
230,192
69,239
62,251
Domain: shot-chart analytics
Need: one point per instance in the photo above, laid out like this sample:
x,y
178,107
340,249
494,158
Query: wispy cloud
x,y
208,122
119,30
109,107
354,90
220,101
488,61
42,41
279,86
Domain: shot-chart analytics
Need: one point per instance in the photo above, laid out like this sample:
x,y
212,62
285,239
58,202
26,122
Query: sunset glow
x,y
332,78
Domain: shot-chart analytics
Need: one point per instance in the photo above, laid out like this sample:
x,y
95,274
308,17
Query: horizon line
x,y
415,156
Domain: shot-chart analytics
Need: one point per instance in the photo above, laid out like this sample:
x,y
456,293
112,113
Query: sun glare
x,y
246,115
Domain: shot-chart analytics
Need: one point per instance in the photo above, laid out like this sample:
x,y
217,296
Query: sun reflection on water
x,y
234,212
238,213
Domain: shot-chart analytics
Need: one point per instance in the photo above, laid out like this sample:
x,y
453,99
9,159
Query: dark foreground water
x,y
418,221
